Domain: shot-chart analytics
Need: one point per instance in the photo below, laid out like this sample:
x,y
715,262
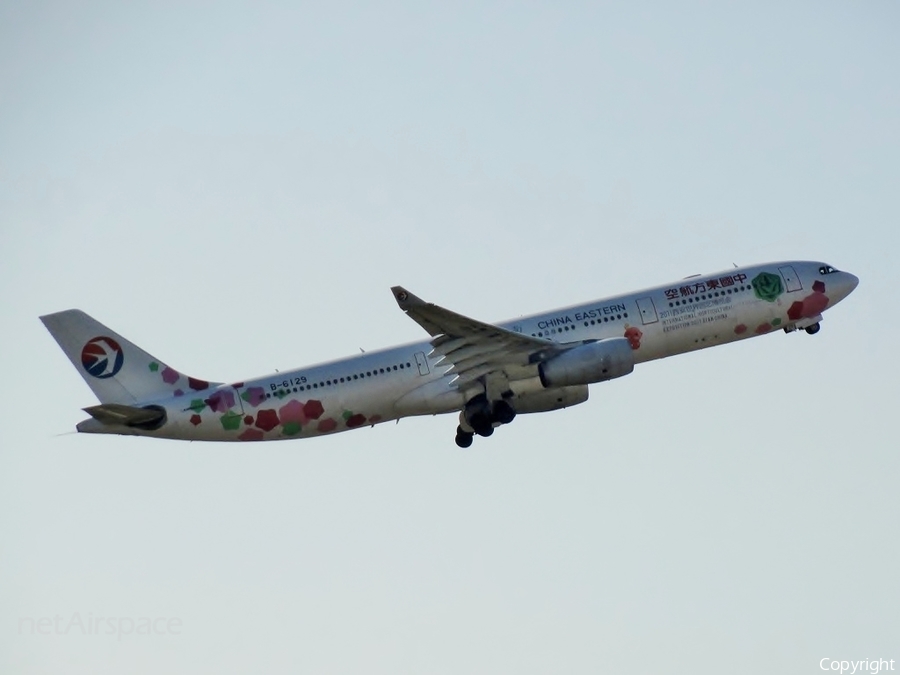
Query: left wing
x,y
473,348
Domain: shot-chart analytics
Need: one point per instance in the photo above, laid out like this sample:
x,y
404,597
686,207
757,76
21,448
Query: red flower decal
x,y
356,420
795,311
197,385
740,329
195,420
327,425
811,305
634,336
251,435
313,409
267,420
815,304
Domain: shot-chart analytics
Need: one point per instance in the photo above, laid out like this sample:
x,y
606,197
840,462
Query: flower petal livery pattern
x,y
251,435
254,396
267,419
812,305
633,334
220,401
767,286
231,421
292,412
313,409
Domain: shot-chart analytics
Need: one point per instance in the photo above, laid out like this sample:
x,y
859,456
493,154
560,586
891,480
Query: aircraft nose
x,y
846,284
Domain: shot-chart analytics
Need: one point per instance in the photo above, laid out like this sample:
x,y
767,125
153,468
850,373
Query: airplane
x,y
488,373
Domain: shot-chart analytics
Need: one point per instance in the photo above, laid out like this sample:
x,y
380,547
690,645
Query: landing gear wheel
x,y
484,430
463,438
812,330
477,415
503,412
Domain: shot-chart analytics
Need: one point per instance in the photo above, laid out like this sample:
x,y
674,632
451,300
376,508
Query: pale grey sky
x,y
235,188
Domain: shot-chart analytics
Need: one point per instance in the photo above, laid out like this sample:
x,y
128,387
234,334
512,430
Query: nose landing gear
x,y
810,325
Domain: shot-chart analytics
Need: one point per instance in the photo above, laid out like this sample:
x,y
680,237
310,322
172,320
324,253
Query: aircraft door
x,y
422,363
791,280
238,399
647,310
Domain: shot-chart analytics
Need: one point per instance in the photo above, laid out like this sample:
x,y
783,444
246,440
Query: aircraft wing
x,y
473,348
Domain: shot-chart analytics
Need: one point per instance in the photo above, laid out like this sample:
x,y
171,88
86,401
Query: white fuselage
x,y
686,315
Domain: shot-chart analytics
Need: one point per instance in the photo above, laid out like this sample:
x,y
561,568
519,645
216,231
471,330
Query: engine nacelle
x,y
549,399
594,362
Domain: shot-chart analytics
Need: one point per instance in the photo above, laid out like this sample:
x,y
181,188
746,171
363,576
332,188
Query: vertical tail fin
x,y
116,370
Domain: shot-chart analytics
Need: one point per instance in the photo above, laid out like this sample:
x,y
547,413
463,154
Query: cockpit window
x,y
827,269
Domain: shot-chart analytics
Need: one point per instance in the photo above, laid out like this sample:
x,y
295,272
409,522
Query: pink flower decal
x,y
292,411
267,419
763,328
221,401
179,392
634,336
374,419
819,286
313,409
327,425
251,435
254,396
170,375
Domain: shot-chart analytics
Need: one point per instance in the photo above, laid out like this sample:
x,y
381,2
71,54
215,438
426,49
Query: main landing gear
x,y
480,416
464,438
813,329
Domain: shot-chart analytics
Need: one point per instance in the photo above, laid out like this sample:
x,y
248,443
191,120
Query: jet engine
x,y
550,399
593,362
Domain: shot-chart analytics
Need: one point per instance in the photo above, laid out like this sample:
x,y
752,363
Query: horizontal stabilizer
x,y
127,415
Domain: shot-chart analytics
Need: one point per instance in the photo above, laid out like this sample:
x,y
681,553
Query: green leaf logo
x,y
767,286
